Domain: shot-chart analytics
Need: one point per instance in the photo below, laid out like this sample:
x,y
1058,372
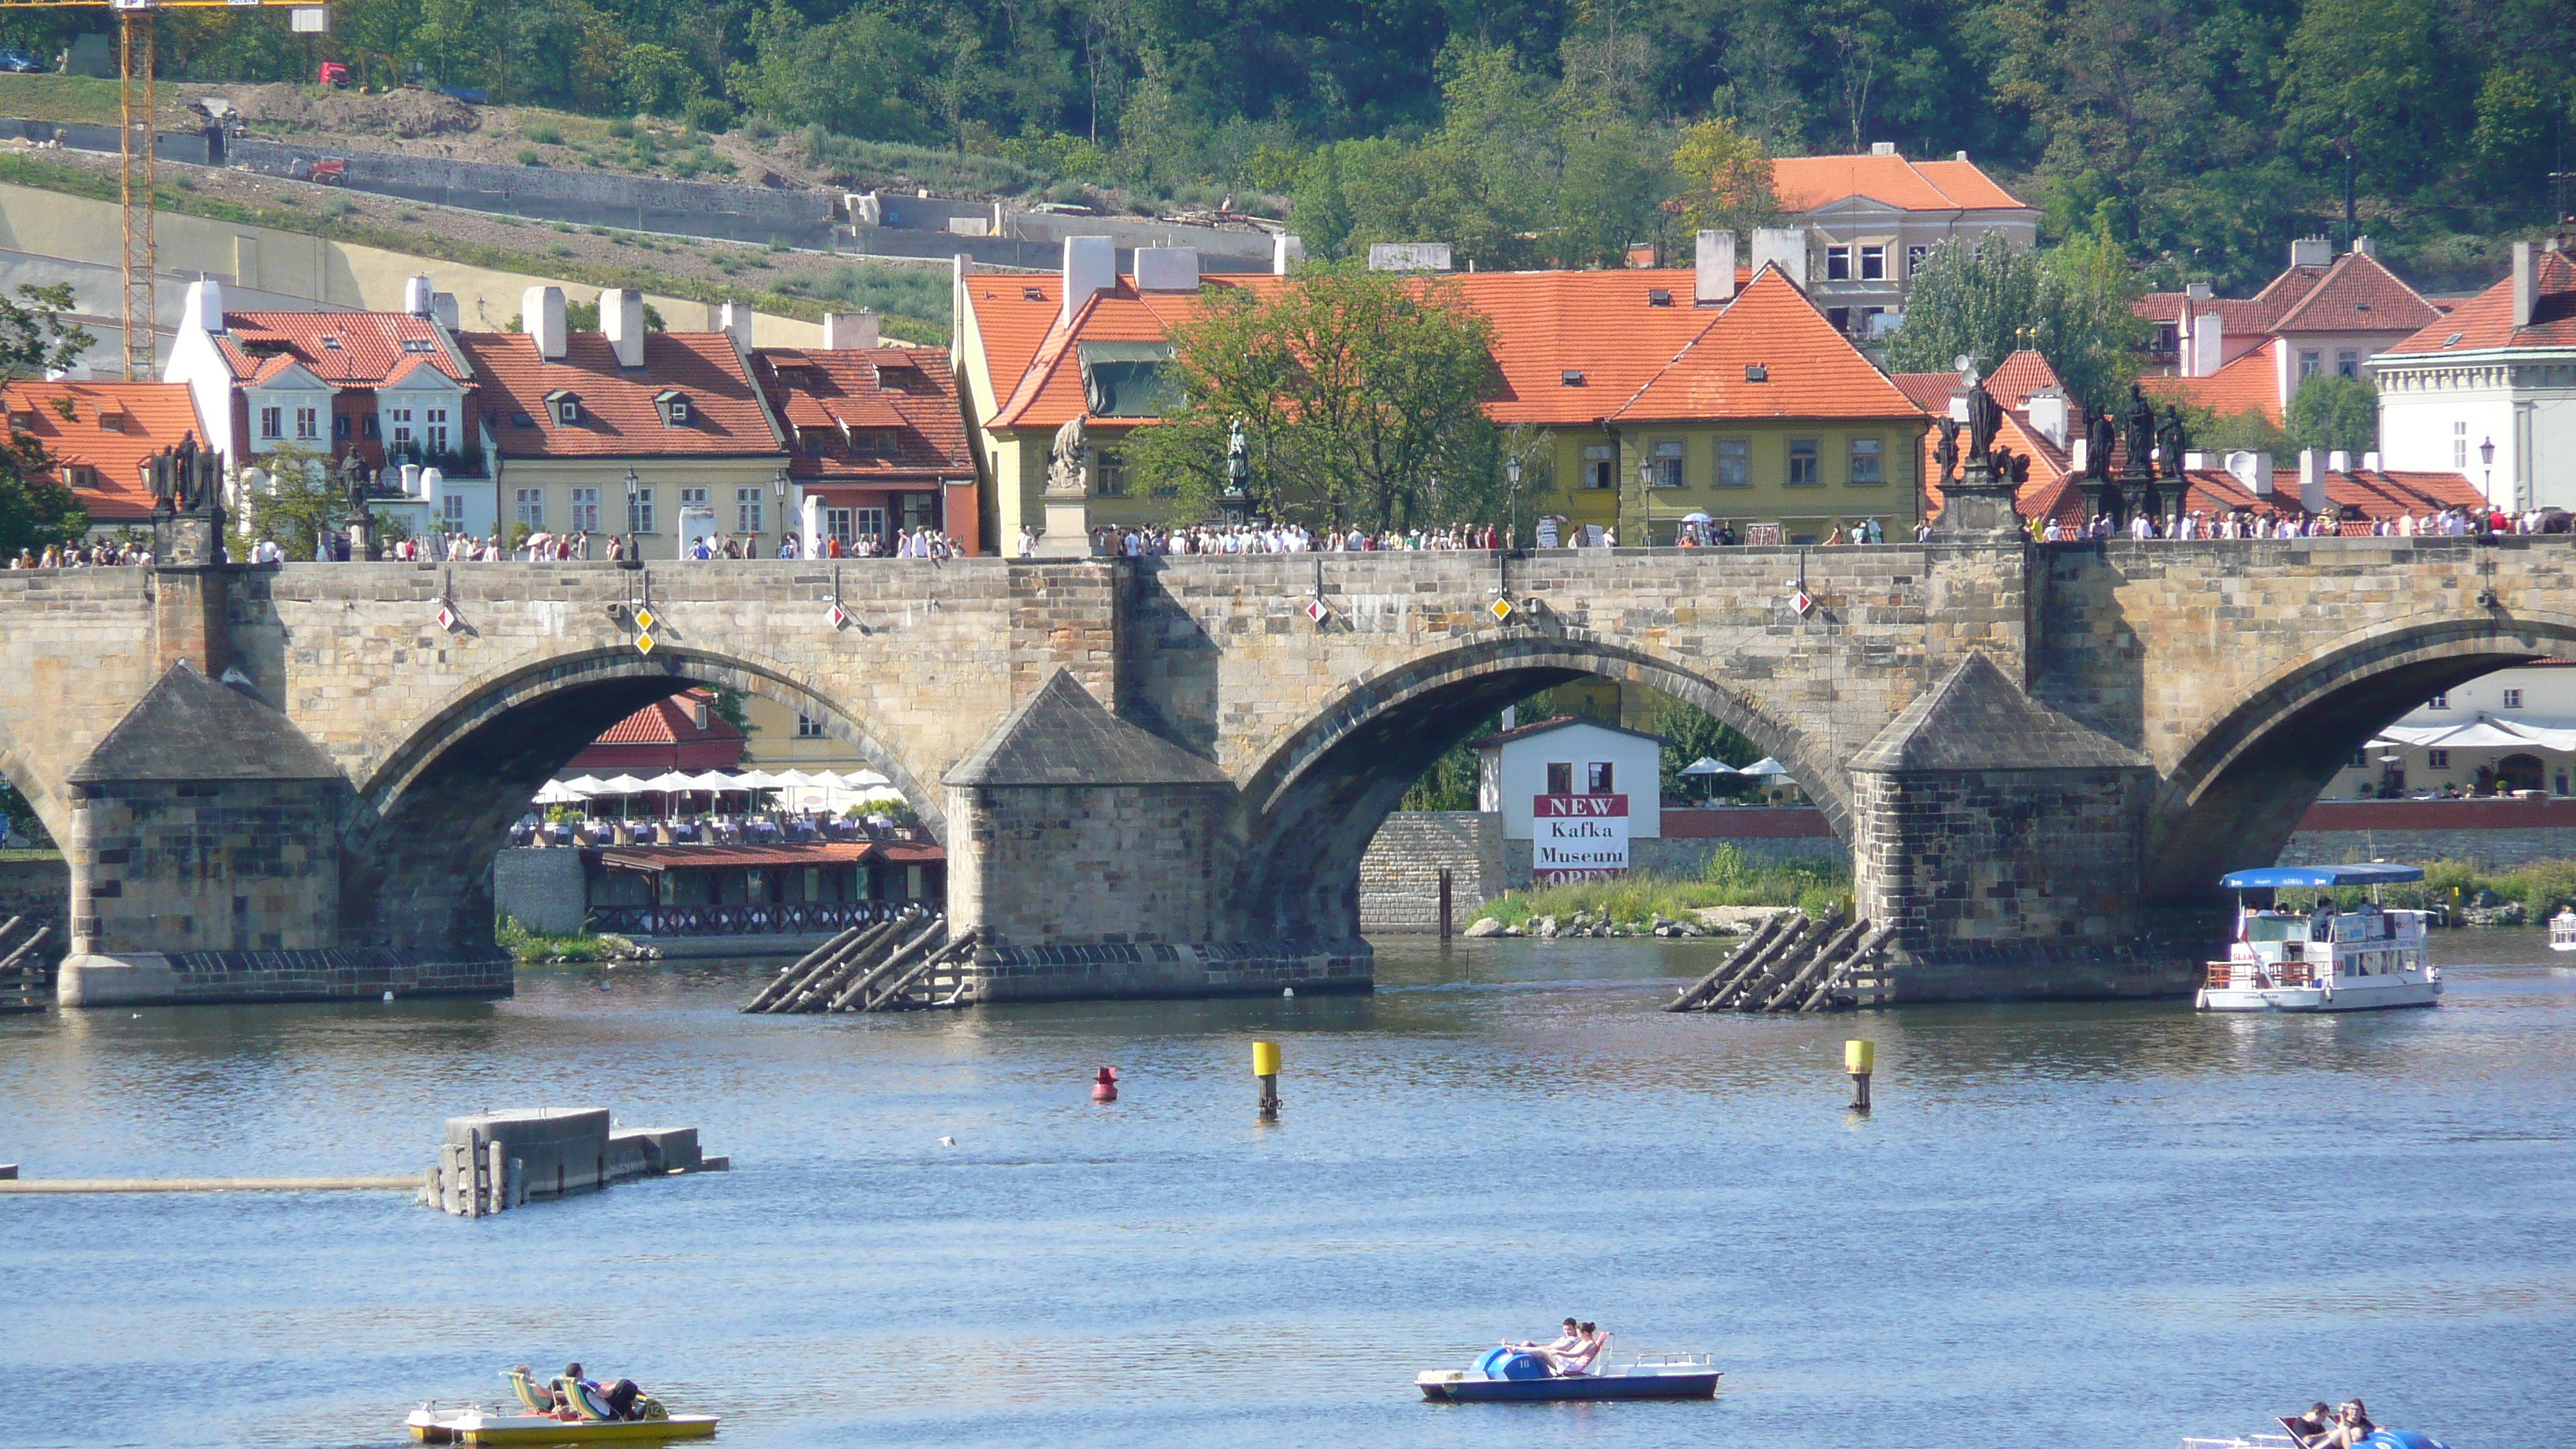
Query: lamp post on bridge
x,y
778,502
634,506
1512,475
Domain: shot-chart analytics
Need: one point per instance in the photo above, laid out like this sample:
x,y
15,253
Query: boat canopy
x,y
2318,877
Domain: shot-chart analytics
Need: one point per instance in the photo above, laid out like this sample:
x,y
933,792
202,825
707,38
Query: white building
x,y
1576,789
2490,390
2514,729
2322,315
1875,217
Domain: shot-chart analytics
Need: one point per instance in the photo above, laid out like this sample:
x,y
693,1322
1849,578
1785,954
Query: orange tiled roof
x,y
2246,385
2018,376
345,349
2378,495
1013,315
102,464
2357,294
2239,316
1806,183
907,392
2048,494
1603,325
1809,369
1050,391
727,417
2485,322
669,722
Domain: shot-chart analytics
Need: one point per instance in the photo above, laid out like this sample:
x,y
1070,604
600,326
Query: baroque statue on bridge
x,y
2171,441
1066,469
2102,437
1946,452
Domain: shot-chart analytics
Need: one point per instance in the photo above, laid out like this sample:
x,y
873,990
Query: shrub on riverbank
x,y
2542,886
530,948
1813,885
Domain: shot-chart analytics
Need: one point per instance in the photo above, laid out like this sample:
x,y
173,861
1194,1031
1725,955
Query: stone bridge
x,y
1159,775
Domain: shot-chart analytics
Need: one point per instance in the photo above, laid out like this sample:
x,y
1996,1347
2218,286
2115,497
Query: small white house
x,y
2489,391
1576,789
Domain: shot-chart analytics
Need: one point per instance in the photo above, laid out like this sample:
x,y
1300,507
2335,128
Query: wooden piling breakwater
x,y
908,963
26,981
1794,964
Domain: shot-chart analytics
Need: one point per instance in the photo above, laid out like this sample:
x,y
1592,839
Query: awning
x,y
2320,877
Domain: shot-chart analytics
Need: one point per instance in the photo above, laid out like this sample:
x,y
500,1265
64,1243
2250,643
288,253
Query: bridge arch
x,y
2236,793
1310,806
428,818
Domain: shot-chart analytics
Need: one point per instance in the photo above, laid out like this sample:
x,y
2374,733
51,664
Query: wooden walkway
x,y
26,978
906,964
1793,964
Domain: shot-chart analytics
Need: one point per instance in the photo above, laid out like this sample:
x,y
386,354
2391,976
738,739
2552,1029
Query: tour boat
x,y
2562,929
1502,1375
2357,960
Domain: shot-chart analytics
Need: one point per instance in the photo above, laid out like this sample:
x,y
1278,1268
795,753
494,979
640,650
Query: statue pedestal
x,y
1979,505
362,539
1068,529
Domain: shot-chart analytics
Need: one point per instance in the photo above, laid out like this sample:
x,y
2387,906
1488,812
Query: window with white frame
x,y
1865,461
308,424
747,511
532,507
1734,462
398,420
692,498
451,511
1600,467
2437,759
1873,262
567,411
272,422
2309,366
2460,444
639,511
433,429
837,523
2513,699
808,727
1667,459
1838,264
2347,364
585,510
1914,259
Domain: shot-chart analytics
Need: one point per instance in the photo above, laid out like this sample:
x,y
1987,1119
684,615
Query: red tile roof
x,y
905,392
2018,376
1013,315
618,416
2485,322
2380,495
1603,326
345,349
1809,369
101,463
1050,391
664,735
1806,183
670,721
2249,384
2357,294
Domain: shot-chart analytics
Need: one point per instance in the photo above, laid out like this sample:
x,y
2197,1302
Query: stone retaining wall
x,y
543,890
1138,972
1400,874
203,977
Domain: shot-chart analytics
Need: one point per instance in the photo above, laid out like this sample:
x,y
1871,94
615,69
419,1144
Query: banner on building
x,y
1577,837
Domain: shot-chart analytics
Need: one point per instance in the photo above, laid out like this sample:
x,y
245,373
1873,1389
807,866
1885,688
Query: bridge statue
x,y
1981,503
1068,493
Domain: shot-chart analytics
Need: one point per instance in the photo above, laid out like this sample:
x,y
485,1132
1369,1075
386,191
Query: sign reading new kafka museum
x,y
1577,837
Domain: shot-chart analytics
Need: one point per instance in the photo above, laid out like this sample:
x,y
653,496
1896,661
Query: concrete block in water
x,y
559,1149
666,1149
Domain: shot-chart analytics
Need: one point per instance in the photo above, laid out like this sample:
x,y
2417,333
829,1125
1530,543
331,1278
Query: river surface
x,y
2078,1227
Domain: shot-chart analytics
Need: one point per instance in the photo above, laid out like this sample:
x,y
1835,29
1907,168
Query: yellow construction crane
x,y
134,163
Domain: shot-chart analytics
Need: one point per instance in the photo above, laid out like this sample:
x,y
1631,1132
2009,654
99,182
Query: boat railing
x,y
2262,974
2247,1441
1668,1358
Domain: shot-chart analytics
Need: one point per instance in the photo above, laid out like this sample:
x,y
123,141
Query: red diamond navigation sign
x,y
834,615
1316,611
1800,602
447,619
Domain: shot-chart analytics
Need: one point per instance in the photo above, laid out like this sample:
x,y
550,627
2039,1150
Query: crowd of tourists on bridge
x,y
81,556
2245,524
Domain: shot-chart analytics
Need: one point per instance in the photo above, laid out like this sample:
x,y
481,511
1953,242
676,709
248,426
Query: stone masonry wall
x,y
1400,875
543,890
180,867
1131,865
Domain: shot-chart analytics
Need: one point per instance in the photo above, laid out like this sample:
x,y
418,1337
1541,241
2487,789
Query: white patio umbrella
x,y
1765,766
623,785
588,785
714,781
1706,766
674,784
794,779
755,780
556,792
863,779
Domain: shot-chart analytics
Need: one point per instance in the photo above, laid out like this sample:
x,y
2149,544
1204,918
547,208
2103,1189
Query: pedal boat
x,y
436,1422
2359,960
1504,1377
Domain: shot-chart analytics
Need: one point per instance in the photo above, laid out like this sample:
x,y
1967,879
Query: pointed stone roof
x,y
1062,736
189,727
1976,719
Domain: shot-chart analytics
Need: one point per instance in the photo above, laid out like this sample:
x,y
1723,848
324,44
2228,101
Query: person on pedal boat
x,y
2312,1427
1566,1342
1576,1361
2352,1425
619,1396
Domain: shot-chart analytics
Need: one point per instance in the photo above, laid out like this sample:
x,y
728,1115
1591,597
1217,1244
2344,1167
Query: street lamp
x,y
1512,475
634,504
2486,459
778,500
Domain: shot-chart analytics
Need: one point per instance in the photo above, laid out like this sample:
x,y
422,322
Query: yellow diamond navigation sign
x,y
1501,609
643,643
643,618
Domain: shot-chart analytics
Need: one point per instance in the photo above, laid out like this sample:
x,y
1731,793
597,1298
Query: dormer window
x,y
111,422
674,407
418,344
330,344
565,407
22,422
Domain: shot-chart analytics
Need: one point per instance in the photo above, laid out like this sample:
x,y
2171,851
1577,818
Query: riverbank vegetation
x,y
531,948
1814,885
2539,887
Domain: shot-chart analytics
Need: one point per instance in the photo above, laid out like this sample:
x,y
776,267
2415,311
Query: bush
x,y
1812,885
543,133
622,128
858,164
528,156
708,113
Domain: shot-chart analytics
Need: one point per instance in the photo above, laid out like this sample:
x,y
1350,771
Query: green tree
x,y
1358,393
21,817
2331,412
35,508
658,80
847,76
1724,178
2372,81
297,504
2071,303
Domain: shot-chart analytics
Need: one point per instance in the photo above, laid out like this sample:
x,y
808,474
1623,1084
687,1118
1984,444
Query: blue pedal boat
x,y
1502,1376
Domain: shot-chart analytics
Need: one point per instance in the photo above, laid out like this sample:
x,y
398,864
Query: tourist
x,y
2311,1427
619,1396
2352,1425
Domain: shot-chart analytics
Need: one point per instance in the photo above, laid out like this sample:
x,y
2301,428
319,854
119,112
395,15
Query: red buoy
x,y
1104,1088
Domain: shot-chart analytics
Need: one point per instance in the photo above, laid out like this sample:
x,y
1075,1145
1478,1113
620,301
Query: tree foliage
x,y
2071,303
2330,412
300,503
36,338
1358,396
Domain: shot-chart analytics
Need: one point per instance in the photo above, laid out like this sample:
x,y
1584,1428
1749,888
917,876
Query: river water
x,y
2070,1226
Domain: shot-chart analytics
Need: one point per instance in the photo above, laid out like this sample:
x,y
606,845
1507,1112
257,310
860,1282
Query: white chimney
x,y
411,480
2312,481
621,320
1285,249
2338,461
734,319
2311,251
2370,462
2208,345
2079,460
205,307
810,524
1958,407
416,294
2196,291
2047,408
1090,266
541,316
2526,283
442,306
2363,246
1784,247
849,331
432,482
2194,462
1715,281
1882,148
1167,269
2253,471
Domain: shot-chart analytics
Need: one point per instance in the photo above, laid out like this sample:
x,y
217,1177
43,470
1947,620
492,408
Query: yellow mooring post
x,y
1265,1065
1858,1058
